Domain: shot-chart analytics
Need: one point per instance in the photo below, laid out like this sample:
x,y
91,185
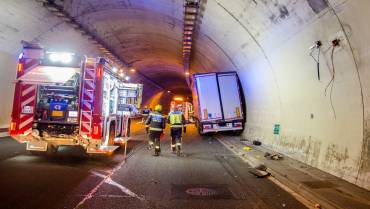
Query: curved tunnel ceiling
x,y
145,34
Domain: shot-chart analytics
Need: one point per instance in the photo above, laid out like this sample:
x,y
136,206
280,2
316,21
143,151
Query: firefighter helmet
x,y
158,108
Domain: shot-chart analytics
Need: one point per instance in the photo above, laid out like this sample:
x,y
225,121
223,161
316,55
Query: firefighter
x,y
177,122
156,122
145,113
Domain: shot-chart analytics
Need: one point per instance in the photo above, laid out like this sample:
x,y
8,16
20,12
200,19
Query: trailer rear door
x,y
230,96
209,100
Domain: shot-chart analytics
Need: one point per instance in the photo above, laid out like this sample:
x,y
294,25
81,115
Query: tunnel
x,y
303,65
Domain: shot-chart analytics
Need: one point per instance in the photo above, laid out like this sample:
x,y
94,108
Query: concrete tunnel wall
x,y
267,42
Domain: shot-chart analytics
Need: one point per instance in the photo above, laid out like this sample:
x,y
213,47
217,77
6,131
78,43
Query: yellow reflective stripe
x,y
179,144
176,126
173,145
155,129
158,115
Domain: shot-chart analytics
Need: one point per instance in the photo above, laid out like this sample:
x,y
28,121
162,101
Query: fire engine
x,y
64,99
185,107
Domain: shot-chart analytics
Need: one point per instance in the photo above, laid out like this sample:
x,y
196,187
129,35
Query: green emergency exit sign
x,y
277,129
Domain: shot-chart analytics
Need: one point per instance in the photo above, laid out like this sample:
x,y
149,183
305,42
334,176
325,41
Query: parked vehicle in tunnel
x,y
218,102
61,99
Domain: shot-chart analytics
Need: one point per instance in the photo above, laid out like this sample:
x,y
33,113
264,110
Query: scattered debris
x,y
318,206
257,143
259,173
261,167
275,156
247,148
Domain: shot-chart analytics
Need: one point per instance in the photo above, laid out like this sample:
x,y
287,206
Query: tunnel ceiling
x,y
145,34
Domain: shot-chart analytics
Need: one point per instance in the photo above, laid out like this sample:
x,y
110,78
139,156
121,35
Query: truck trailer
x,y
62,99
218,102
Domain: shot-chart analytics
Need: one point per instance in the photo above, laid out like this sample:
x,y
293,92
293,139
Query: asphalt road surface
x,y
207,176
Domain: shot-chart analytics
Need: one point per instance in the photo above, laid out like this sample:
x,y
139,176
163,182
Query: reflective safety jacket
x,y
176,119
156,121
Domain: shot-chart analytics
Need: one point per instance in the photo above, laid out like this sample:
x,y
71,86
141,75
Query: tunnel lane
x,y
207,176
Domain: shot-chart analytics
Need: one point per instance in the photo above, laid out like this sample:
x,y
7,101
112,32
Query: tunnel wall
x,y
268,44
7,69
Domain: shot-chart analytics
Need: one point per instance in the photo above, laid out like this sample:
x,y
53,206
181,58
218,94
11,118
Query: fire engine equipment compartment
x,y
57,108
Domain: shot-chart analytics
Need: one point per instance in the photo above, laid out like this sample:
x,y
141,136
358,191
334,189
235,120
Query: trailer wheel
x,y
112,134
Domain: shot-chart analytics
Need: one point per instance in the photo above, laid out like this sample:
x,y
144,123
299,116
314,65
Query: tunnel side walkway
x,y
312,184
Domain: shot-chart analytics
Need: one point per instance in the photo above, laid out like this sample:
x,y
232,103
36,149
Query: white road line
x,y
122,188
297,196
105,179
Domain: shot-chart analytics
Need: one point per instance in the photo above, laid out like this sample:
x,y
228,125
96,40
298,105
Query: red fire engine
x,y
61,99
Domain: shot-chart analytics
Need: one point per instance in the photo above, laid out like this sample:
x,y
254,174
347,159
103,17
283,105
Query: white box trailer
x,y
218,102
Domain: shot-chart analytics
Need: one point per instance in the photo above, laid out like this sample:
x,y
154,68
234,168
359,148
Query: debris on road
x,y
260,171
261,167
318,206
257,143
247,148
274,156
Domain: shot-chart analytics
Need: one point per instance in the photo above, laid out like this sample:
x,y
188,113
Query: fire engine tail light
x,y
20,67
208,126
99,71
96,131
12,126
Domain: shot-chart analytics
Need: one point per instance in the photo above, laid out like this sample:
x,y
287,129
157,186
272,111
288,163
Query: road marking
x,y
106,178
121,187
253,163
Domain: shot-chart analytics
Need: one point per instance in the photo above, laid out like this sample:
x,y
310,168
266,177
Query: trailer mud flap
x,y
37,146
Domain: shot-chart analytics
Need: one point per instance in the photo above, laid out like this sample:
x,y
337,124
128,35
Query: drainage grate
x,y
191,191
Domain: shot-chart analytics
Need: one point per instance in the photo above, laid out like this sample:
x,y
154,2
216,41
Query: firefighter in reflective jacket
x,y
156,122
178,124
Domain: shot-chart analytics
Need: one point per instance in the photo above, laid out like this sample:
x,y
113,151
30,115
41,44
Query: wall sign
x,y
277,129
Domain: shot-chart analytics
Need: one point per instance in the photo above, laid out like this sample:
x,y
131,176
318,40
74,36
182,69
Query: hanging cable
x,y
317,45
335,43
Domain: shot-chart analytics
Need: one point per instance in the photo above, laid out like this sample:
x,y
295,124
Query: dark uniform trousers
x,y
176,134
